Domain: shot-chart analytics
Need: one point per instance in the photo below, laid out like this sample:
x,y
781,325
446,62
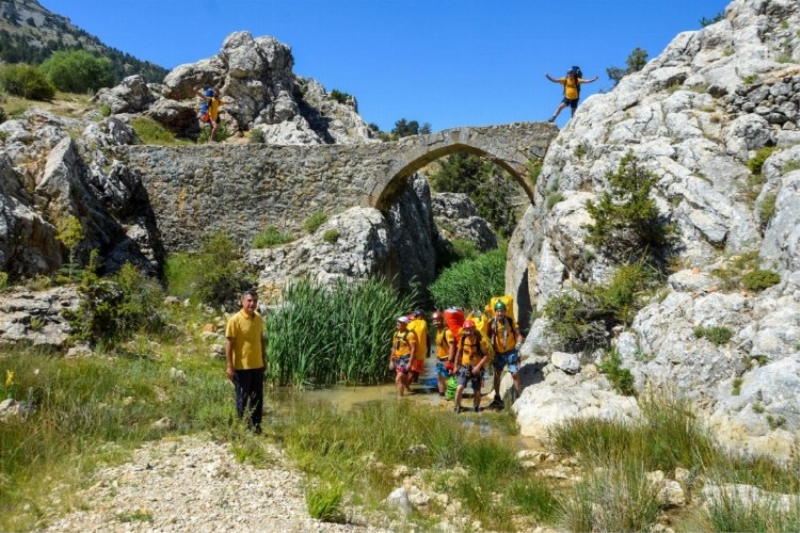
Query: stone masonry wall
x,y
243,189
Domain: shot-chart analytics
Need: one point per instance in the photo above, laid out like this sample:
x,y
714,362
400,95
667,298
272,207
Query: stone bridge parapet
x,y
244,189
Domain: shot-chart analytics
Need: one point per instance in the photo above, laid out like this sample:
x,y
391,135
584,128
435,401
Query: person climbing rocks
x,y
572,90
210,110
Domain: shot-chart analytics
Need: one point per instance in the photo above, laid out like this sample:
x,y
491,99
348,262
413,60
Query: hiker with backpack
x,y
419,325
506,341
572,89
445,351
472,357
404,349
209,111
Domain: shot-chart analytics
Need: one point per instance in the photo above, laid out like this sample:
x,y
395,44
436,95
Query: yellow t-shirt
x,y
420,327
246,334
444,338
503,333
470,355
570,87
402,342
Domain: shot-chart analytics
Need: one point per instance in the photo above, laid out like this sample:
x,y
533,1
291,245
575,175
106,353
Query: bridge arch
x,y
510,147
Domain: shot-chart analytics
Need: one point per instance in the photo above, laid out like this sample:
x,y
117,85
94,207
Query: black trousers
x,y
249,386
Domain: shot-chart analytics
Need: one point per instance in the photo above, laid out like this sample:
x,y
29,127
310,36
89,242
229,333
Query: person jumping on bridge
x,y
572,90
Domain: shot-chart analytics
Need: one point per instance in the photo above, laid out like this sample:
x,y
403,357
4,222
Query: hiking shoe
x,y
552,119
457,409
496,402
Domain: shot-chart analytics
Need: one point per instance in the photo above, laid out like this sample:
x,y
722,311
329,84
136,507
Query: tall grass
x,y
322,336
330,446
738,509
90,411
616,496
471,283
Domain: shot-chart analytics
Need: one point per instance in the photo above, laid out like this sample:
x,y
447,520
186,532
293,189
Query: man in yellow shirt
x,y
572,91
506,339
404,349
213,103
471,358
245,353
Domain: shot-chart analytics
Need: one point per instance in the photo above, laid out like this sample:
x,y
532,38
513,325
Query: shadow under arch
x,y
416,152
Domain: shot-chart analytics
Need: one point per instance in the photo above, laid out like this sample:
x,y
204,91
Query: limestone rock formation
x,y
258,90
456,214
357,244
715,117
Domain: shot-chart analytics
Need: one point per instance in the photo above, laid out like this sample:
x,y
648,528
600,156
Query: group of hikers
x,y
465,349
571,82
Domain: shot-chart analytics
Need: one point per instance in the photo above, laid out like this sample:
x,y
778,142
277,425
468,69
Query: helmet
x,y
468,324
419,312
499,305
403,319
436,314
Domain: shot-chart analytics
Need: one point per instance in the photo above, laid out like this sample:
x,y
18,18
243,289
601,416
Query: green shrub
x,y
3,281
325,503
323,335
791,166
3,118
215,275
737,387
626,223
758,280
715,334
737,510
470,283
340,96
271,237
221,276
314,221
331,236
105,110
583,320
767,209
621,378
151,132
553,199
113,309
78,71
757,162
731,271
256,136
534,168
26,81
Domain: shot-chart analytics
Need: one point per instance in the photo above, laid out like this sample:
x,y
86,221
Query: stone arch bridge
x,y
246,188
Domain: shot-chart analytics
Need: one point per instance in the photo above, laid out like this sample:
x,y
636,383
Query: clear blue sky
x,y
446,62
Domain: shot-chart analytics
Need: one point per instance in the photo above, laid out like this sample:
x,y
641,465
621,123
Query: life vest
x,y
479,347
401,345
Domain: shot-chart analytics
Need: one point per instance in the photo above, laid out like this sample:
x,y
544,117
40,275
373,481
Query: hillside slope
x,y
29,33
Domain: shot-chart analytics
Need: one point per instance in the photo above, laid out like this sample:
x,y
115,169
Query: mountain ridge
x,y
30,33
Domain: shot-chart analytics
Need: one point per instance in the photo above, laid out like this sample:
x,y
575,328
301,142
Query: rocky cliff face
x,y
699,116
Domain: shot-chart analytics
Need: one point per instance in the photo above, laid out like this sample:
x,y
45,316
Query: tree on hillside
x,y
487,185
78,71
635,62
707,22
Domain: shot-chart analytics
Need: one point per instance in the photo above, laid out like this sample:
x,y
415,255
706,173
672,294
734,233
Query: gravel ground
x,y
195,485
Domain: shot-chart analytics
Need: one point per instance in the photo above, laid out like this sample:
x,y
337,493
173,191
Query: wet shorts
x,y
441,369
465,375
418,366
401,365
508,358
571,102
